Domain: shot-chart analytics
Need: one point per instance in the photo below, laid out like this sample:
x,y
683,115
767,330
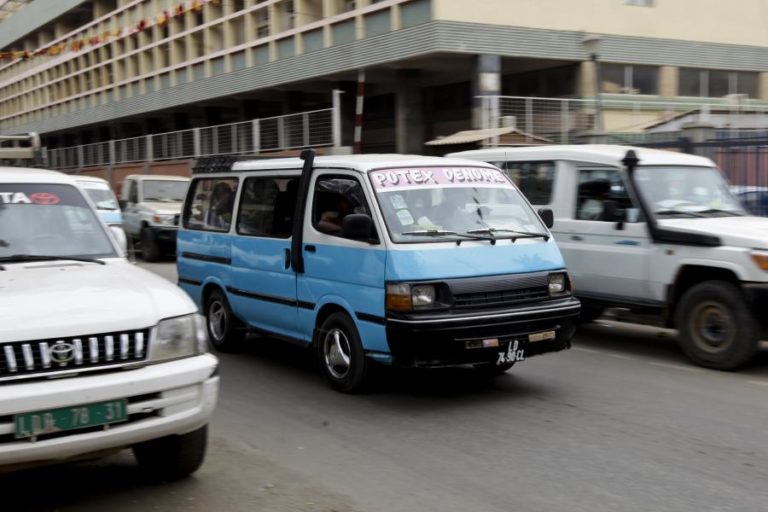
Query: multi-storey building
x,y
84,71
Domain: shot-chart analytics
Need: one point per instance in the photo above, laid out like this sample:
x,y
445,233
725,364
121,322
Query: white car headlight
x,y
166,220
174,338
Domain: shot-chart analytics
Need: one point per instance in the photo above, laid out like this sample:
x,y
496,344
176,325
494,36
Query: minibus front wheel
x,y
224,329
341,356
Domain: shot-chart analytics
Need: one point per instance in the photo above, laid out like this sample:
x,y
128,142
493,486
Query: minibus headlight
x,y
557,283
760,258
182,336
399,297
423,295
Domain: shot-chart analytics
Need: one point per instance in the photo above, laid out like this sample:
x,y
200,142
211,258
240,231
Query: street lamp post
x,y
591,44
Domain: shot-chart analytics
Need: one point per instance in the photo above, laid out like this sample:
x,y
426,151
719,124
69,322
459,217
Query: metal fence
x,y
315,128
563,120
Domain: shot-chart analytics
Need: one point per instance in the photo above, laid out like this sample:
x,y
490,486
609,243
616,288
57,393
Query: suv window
x,y
596,186
210,204
266,206
335,198
534,179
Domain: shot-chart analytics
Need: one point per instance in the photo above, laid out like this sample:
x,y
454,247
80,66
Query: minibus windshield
x,y
436,204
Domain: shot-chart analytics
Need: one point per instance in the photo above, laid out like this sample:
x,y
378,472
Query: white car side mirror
x,y
120,237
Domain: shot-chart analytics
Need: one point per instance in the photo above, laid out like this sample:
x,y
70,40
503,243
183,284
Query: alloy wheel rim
x,y
217,320
337,353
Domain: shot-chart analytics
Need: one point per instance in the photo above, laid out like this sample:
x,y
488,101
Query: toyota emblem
x,y
62,352
45,198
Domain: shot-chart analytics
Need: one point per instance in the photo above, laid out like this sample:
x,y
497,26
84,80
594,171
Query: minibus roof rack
x,y
20,147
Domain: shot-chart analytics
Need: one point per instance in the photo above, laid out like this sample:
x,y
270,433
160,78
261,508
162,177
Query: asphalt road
x,y
621,422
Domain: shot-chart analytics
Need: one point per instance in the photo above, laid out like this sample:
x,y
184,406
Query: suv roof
x,y
361,163
31,175
594,153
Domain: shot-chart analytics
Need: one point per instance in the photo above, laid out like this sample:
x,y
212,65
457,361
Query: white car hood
x,y
751,232
161,208
62,299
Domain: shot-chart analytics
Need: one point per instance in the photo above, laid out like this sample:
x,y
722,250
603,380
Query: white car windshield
x,y
686,192
100,194
453,203
49,220
165,191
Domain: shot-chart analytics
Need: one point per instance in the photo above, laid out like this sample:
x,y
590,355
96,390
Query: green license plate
x,y
39,423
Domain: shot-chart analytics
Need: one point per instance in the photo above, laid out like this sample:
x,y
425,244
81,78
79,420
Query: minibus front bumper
x,y
450,338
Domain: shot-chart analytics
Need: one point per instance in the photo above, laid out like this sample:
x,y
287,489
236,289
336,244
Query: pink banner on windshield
x,y
417,177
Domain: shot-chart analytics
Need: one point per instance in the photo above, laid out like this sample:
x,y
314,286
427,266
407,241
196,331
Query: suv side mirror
x,y
122,240
357,226
547,217
611,213
122,203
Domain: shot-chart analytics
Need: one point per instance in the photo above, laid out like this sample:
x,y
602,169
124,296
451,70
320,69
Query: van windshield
x,y
686,192
436,204
165,191
49,220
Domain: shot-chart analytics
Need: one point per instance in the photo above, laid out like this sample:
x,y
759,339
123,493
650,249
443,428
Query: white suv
x,y
654,232
96,354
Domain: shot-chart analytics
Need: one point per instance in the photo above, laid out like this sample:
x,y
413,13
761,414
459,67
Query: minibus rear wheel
x,y
341,356
224,329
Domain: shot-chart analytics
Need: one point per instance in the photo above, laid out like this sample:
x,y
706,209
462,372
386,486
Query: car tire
x,y
150,249
172,457
225,331
341,356
716,326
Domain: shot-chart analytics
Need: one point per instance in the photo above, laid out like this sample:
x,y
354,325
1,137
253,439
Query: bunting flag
x,y
107,36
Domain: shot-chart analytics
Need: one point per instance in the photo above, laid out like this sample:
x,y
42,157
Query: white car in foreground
x,y
96,354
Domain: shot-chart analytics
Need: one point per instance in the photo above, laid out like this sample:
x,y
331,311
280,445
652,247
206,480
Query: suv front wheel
x,y
717,328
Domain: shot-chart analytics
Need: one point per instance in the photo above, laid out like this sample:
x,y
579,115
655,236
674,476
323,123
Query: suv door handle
x,y
310,248
576,238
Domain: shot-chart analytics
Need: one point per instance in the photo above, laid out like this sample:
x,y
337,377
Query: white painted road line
x,y
759,382
677,367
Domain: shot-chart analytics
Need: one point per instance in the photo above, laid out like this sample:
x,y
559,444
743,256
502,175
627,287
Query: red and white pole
x,y
359,112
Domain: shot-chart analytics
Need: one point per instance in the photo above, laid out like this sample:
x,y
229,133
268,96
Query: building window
x,y
630,79
709,83
640,3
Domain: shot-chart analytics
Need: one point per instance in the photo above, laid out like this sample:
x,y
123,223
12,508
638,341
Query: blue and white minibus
x,y
404,260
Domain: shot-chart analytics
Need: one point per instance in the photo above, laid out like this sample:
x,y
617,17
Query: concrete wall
x,y
715,21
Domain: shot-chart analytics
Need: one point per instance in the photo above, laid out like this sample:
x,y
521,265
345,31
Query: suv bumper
x,y
447,339
165,236
164,399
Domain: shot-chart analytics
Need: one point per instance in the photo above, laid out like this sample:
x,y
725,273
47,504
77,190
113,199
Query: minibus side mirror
x,y
357,226
547,217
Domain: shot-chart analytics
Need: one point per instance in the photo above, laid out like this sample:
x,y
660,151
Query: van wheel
x,y
224,330
172,457
717,329
150,250
341,355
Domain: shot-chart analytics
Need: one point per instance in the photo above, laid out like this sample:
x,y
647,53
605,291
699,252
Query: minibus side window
x,y
335,197
210,204
534,179
266,206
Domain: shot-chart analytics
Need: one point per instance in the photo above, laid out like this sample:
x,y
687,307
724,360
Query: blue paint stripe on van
x,y
270,298
206,257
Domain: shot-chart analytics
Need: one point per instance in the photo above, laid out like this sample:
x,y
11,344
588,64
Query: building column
x,y
586,82
409,113
762,86
486,82
668,81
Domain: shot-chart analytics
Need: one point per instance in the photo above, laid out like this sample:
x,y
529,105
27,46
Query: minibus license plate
x,y
70,418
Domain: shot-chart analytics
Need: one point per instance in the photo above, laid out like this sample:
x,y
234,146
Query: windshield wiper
x,y
522,234
679,212
440,232
42,257
718,210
